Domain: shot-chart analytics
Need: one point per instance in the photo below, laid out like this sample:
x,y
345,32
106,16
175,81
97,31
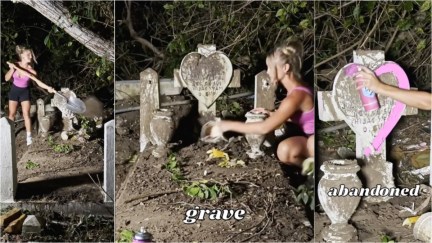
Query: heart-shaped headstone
x,y
206,76
374,126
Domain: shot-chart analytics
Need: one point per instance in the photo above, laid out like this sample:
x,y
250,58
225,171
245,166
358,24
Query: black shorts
x,y
290,130
19,94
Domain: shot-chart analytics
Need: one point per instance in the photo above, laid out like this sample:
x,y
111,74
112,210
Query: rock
x,y
16,226
346,153
421,159
10,216
32,225
64,136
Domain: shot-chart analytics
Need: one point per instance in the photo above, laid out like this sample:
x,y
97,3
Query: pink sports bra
x,y
21,82
306,120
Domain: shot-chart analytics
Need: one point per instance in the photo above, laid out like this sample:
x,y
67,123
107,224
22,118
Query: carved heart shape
x,y
206,76
375,125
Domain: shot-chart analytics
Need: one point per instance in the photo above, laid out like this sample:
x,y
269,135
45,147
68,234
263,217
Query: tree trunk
x,y
60,16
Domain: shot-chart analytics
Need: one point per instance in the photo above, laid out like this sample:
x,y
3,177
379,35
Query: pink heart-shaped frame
x,y
397,109
350,108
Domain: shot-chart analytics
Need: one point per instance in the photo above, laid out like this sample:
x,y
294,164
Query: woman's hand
x,y
365,78
262,110
51,90
11,65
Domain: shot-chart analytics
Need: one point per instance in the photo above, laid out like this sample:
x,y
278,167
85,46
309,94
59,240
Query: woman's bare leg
x,y
13,106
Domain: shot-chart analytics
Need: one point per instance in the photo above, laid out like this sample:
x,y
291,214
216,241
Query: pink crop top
x,y
306,120
21,82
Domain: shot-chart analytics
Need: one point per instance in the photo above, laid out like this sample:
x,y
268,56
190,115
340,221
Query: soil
x,y
263,189
60,177
384,219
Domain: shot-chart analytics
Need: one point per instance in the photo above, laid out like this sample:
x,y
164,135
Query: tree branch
x,y
60,16
144,43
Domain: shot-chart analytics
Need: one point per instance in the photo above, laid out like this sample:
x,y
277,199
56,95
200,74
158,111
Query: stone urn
x,y
338,174
255,140
422,228
162,129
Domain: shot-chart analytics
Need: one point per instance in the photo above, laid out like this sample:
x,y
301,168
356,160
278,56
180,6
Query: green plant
x,y
30,165
305,195
126,236
173,167
387,239
60,148
207,190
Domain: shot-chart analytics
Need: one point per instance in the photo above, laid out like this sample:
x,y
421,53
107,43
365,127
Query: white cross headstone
x,y
109,161
8,164
344,103
206,73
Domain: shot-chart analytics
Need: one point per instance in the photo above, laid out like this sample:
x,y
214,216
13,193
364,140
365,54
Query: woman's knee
x,y
26,115
288,154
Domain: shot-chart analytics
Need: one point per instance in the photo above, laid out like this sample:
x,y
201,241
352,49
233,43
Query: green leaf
x,y
168,6
201,194
298,198
280,12
193,191
46,40
404,24
305,198
419,30
425,6
236,105
421,45
305,23
408,6
126,236
356,12
206,194
213,194
98,72
69,43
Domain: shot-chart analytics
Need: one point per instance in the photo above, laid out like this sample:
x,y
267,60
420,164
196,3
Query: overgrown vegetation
x,y
245,31
400,28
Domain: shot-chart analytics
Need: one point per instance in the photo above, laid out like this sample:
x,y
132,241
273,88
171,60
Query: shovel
x,y
73,104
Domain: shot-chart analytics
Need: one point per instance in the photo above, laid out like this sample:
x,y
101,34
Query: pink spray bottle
x,y
368,97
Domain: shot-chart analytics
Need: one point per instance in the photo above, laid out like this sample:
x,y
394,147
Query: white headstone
x,y
8,165
206,73
109,161
265,96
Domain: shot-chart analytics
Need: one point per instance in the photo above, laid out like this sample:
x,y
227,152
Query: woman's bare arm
x,y
287,108
419,99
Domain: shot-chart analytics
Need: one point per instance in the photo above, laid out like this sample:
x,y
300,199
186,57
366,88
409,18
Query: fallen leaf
x,y
410,221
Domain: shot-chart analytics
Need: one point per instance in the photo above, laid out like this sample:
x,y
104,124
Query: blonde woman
x,y
20,91
283,66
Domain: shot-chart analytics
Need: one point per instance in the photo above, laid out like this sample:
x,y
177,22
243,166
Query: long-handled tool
x,y
73,104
